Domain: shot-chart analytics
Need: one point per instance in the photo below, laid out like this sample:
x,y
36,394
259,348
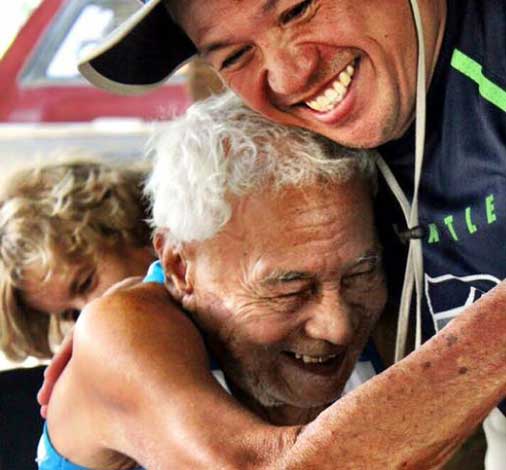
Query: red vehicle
x,y
39,77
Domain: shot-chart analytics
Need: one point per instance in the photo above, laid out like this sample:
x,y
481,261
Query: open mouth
x,y
324,364
335,92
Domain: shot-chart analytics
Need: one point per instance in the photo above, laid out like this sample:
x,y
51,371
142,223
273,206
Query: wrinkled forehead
x,y
270,219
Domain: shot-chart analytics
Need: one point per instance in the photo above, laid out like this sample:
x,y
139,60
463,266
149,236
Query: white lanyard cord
x,y
414,265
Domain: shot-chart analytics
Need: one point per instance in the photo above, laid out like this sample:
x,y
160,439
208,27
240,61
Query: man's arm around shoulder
x,y
144,376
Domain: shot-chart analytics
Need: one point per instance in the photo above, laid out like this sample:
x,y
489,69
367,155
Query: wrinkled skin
x,y
305,278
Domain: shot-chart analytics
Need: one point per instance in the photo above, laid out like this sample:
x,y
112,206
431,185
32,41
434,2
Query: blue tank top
x,y
155,273
48,457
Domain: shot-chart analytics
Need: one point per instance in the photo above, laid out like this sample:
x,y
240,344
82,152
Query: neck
x,y
278,415
442,12
286,415
434,25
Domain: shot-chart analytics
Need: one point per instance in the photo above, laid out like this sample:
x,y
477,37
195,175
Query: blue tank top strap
x,y
48,458
155,273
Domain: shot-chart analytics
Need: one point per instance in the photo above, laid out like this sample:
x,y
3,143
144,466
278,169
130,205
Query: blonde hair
x,y
54,212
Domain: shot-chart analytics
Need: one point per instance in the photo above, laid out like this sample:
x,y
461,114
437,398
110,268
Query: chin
x,y
367,131
365,137
324,396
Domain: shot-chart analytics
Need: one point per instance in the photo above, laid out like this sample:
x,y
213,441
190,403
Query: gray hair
x,y
220,148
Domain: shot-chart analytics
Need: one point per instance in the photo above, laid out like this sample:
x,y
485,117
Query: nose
x,y
290,68
330,320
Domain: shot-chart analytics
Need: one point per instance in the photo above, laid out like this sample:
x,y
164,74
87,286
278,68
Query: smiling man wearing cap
x,y
348,70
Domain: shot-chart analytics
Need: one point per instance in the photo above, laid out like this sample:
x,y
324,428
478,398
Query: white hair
x,y
221,148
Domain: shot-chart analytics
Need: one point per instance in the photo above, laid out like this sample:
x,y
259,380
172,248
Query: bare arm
x,y
168,412
140,373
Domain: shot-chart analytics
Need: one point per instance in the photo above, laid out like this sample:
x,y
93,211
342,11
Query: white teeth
x,y
339,88
314,105
322,101
331,94
344,78
313,359
335,93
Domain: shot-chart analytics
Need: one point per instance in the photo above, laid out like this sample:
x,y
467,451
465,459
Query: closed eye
x,y
368,267
295,12
86,284
299,293
234,58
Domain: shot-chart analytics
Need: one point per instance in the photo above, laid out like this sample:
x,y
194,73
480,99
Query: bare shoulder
x,y
138,331
125,301
132,347
131,312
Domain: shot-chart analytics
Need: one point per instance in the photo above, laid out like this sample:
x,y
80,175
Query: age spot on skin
x,y
426,365
463,370
451,340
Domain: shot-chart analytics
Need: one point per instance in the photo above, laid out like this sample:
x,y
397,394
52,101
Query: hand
x,y
53,372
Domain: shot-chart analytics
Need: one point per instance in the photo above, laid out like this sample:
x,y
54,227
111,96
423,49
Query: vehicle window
x,y
78,28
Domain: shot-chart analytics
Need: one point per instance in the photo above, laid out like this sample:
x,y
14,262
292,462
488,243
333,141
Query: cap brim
x,y
140,54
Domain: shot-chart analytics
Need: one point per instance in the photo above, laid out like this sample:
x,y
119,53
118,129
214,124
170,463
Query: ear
x,y
175,265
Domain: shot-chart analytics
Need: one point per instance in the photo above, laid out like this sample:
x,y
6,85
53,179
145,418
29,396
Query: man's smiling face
x,y
289,291
345,69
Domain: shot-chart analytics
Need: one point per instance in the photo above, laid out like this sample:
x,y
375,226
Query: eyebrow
x,y
278,277
214,46
269,5
370,255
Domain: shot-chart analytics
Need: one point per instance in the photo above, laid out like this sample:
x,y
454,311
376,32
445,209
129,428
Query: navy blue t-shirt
x,y
462,201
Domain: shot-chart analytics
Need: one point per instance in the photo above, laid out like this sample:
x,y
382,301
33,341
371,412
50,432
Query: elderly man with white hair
x,y
265,236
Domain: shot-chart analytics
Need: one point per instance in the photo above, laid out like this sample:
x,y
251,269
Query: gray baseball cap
x,y
141,53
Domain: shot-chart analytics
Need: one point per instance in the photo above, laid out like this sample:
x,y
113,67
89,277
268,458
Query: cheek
x,y
251,86
262,331
378,297
248,86
368,305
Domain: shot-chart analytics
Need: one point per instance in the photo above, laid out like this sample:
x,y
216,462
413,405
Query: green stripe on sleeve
x,y
473,70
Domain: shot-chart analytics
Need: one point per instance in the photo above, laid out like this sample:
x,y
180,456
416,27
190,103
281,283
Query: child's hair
x,y
64,211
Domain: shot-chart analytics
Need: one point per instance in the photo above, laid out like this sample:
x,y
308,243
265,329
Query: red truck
x,y
39,77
